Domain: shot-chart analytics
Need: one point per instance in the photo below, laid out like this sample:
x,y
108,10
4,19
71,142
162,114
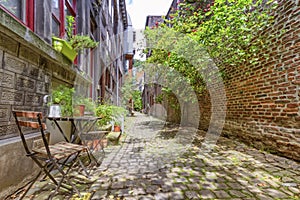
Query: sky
x,y
140,9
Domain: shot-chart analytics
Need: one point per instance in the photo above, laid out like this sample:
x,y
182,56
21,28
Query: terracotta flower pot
x,y
79,110
117,128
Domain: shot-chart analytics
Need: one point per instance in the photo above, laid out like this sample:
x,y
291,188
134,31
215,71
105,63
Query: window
x,y
61,9
22,10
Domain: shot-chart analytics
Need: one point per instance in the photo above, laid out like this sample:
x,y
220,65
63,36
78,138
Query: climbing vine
x,y
230,31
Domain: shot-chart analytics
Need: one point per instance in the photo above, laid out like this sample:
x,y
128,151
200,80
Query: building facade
x,y
30,67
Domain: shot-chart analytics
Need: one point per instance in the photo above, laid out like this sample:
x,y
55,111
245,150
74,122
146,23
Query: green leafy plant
x,y
63,96
109,113
117,113
78,42
89,104
137,100
129,91
230,33
105,112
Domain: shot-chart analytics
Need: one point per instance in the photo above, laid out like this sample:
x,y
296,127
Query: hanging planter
x,y
64,47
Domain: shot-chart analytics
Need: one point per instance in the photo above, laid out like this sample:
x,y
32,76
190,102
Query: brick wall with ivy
x,y
263,99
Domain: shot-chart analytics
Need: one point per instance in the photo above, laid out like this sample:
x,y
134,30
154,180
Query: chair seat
x,y
61,150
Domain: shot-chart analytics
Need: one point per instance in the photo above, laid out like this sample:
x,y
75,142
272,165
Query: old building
x,y
30,67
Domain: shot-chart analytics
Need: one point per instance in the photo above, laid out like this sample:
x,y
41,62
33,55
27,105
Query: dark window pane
x,y
67,11
55,8
70,1
55,27
14,6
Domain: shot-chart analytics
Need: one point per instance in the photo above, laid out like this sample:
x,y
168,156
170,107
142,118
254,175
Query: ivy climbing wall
x,y
263,99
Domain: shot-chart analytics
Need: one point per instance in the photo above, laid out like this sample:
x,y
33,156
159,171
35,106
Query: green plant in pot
x,y
118,114
74,43
83,106
64,47
105,112
78,42
63,95
110,114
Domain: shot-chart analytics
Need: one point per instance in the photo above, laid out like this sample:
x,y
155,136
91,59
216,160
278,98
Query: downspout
x,y
117,83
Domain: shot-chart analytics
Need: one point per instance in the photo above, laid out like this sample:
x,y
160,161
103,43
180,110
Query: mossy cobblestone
x,y
144,166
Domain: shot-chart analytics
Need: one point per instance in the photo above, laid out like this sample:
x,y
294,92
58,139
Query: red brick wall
x,y
263,99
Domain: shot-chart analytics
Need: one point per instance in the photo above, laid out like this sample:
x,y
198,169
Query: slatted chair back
x,y
49,157
32,120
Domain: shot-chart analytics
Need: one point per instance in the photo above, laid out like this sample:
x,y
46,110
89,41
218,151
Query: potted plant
x,y
105,112
62,96
64,47
78,42
110,114
84,106
118,114
74,43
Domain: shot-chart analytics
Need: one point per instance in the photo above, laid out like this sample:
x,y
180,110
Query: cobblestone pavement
x,y
154,162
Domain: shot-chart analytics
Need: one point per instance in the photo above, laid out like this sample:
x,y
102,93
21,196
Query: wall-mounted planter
x,y
64,47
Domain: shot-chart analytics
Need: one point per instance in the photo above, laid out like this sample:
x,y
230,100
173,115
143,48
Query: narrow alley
x,y
152,161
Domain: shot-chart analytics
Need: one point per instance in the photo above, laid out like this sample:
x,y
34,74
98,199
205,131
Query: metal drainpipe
x,y
117,83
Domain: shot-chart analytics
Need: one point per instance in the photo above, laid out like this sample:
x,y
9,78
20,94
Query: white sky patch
x,y
140,9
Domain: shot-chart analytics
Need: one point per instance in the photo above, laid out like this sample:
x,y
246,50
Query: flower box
x,y
64,47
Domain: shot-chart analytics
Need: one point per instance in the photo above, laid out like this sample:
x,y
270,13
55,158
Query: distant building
x,y
151,89
153,21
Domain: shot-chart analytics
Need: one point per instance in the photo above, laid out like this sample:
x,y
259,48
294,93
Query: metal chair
x,y
94,141
60,156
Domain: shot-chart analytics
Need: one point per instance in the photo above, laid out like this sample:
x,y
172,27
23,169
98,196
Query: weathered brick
x,y
8,44
33,99
7,79
14,64
293,105
42,87
25,83
268,92
4,113
1,58
12,97
8,130
28,54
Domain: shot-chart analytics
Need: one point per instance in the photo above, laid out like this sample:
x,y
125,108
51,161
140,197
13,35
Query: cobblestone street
x,y
153,162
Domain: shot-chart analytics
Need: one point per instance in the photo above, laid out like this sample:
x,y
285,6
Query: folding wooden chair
x,y
60,156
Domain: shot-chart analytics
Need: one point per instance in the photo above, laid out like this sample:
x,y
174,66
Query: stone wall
x,y
263,99
26,77
29,67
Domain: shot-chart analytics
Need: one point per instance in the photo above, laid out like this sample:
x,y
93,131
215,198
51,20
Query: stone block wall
x,y
26,77
22,84
263,99
29,67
